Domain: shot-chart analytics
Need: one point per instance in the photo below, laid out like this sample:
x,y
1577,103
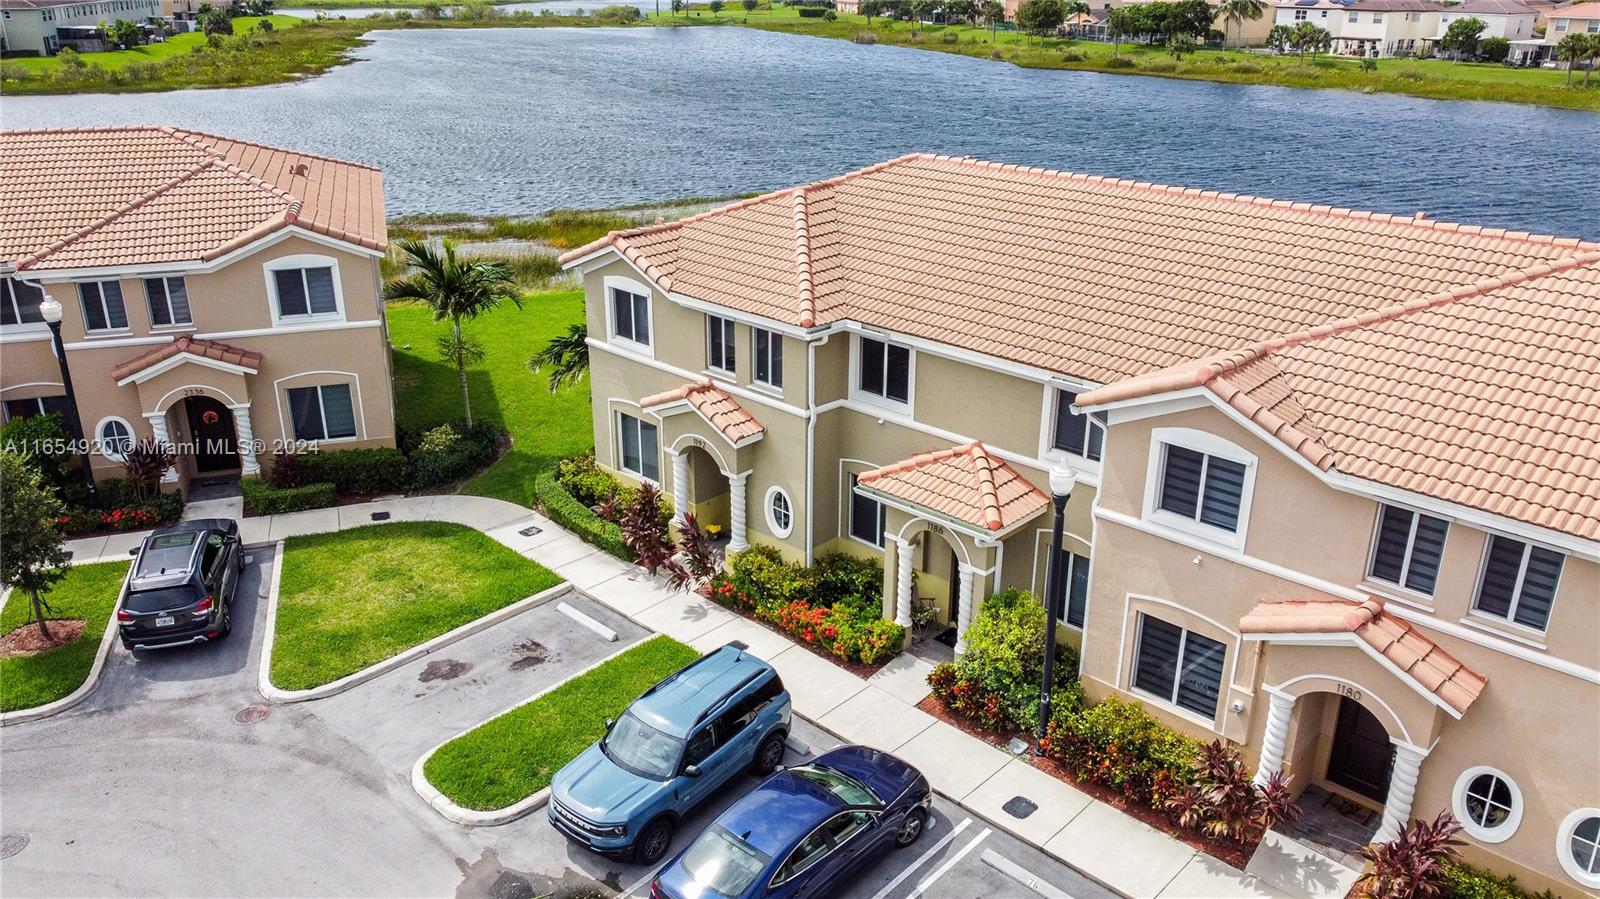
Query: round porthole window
x,y
780,512
1488,804
115,438
1578,846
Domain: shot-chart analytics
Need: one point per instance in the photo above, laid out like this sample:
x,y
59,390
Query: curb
x,y
473,817
92,680
276,694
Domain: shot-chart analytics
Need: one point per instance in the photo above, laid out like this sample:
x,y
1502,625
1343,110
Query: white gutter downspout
x,y
811,441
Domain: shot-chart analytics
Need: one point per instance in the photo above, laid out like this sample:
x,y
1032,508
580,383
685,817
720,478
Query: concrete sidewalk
x,y
1119,851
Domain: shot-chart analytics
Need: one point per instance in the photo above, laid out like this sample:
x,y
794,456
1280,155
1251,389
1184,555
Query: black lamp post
x,y
1062,480
50,310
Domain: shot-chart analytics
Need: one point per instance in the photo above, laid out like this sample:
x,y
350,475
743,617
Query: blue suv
x,y
676,744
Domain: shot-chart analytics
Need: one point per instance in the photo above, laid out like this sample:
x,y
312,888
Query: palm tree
x,y
994,12
1573,48
455,289
1236,11
1594,52
567,356
1076,8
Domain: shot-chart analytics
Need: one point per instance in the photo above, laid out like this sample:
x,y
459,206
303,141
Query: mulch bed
x,y
1230,852
27,641
856,668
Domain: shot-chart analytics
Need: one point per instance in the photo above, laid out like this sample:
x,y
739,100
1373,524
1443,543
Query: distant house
x,y
1504,18
1377,28
41,27
1251,32
1583,18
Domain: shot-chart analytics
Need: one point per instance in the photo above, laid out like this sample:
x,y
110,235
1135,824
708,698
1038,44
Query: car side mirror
x,y
134,551
610,723
691,770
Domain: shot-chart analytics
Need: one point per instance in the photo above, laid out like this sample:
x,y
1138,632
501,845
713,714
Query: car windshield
x,y
160,600
847,788
723,863
642,749
166,552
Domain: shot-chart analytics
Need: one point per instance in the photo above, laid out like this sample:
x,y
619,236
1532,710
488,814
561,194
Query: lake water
x,y
521,120
555,7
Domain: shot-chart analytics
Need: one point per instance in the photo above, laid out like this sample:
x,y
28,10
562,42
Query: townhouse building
x,y
41,27
215,294
1376,28
1261,548
1501,18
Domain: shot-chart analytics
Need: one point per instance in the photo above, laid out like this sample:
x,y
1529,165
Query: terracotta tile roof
x,y
1091,277
1579,11
209,349
964,483
1398,641
1492,7
123,196
716,406
1487,396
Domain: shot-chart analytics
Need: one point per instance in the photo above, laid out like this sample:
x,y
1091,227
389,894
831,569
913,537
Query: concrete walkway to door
x,y
1119,851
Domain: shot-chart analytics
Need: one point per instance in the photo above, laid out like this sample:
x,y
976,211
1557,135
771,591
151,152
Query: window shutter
x,y
305,408
1427,548
338,410
291,292
649,452
872,366
641,317
1500,576
1223,493
116,315
1389,557
899,375
1539,587
763,372
1157,666
1200,682
622,314
1069,424
629,426
156,290
1180,481
319,291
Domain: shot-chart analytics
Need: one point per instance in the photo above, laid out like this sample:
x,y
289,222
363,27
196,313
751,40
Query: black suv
x,y
182,584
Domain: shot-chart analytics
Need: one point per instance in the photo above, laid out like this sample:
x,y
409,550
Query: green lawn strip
x,y
353,598
509,758
176,45
88,592
543,427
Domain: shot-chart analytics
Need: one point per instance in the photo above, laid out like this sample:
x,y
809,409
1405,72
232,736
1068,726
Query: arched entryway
x,y
1360,753
940,566
212,434
706,490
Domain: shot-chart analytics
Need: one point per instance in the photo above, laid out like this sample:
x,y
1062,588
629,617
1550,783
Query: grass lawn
x,y
543,427
509,758
176,45
353,598
88,592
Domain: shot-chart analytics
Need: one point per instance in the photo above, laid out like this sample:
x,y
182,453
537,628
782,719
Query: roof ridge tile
x,y
802,253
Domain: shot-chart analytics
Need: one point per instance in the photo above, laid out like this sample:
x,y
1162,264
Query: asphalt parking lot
x,y
175,779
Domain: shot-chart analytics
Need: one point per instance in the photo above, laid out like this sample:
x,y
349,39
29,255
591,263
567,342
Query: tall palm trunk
x,y
461,373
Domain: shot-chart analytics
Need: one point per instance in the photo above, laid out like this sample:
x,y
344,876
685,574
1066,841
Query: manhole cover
x,y
12,843
250,714
380,516
1017,746
531,531
1018,807
443,669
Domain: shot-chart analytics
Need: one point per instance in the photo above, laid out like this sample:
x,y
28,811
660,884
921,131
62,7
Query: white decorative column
x,y
1402,789
1276,737
245,435
680,487
904,558
736,482
158,424
964,576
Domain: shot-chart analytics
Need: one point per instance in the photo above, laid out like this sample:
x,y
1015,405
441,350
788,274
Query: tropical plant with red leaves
x,y
699,558
646,533
1223,801
146,461
1416,864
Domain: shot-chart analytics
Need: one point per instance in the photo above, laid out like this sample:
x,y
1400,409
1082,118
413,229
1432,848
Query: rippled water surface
x,y
519,120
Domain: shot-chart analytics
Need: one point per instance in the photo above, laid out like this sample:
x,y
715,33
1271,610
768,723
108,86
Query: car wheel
x,y
911,827
654,842
227,621
768,756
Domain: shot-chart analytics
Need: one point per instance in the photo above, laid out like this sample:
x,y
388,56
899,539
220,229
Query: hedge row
x,y
265,499
573,515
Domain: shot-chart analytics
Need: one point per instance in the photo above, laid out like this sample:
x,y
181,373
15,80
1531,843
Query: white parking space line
x,y
1022,875
944,869
932,851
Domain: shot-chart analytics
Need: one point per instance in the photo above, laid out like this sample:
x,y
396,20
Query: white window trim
x,y
1169,703
322,412
1421,598
1210,445
167,297
856,394
285,418
99,444
22,326
1048,450
1458,805
83,309
714,320
1509,621
1564,847
611,283
772,521
848,491
617,446
302,261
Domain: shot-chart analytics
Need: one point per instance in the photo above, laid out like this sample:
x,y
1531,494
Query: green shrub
x,y
865,37
122,510
997,678
841,577
262,498
1467,882
835,605
449,452
810,12
1410,73
1368,64
1247,67
565,509
360,472
1118,744
587,482
1071,54
1161,65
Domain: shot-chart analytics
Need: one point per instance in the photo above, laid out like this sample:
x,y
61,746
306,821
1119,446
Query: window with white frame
x,y
1299,15
1561,25
1178,666
102,306
866,516
1078,433
44,405
639,447
1076,570
169,301
114,437
630,316
1377,18
1488,804
1593,27
305,292
1518,582
19,303
720,343
884,370
768,357
1578,846
1354,17
1201,487
780,512
324,412
1407,549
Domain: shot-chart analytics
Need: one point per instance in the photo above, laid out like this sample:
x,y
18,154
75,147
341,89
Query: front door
x,y
211,426
1362,755
953,607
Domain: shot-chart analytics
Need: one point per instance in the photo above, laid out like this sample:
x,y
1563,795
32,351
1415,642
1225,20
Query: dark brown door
x,y
953,608
211,425
1362,755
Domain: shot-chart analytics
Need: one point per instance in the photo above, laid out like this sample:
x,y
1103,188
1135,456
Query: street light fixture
x,y
50,310
1062,480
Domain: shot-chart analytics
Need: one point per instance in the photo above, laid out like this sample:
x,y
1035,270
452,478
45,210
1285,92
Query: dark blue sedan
x,y
799,834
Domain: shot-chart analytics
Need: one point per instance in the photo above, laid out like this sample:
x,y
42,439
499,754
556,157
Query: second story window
x,y
885,370
19,303
305,292
720,343
102,306
1519,582
1201,487
630,316
169,301
768,357
1407,549
1077,433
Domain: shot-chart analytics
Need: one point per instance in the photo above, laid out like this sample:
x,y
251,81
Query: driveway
x,y
175,779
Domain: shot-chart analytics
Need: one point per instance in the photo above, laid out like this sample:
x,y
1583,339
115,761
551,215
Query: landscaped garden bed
x,y
353,598
509,758
34,671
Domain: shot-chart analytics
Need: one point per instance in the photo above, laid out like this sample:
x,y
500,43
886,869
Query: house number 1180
x,y
1347,690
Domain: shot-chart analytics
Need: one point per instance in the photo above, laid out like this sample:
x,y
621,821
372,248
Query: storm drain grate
x,y
250,714
1020,807
12,843
380,516
531,531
